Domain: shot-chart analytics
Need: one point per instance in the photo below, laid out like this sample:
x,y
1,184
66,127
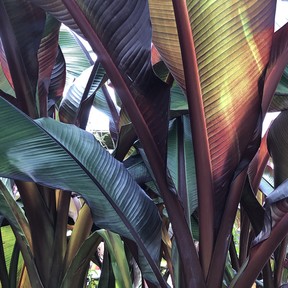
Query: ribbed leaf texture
x,y
232,41
66,157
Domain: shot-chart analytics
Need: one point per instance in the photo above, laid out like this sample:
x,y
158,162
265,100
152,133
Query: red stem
x,y
216,270
261,253
192,274
199,134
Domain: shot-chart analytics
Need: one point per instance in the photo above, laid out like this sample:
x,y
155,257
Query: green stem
x,y
14,266
60,239
4,279
81,231
42,231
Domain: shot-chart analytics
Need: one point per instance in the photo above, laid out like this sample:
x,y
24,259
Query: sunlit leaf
x,y
226,36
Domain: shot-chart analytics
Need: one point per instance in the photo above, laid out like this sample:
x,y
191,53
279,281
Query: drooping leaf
x,y
58,78
52,156
277,146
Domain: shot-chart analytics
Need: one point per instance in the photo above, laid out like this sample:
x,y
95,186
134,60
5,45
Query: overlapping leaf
x,y
70,105
28,23
63,156
47,55
75,57
128,44
280,98
181,162
232,42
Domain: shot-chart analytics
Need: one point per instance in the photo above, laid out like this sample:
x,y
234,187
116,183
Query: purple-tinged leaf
x,y
47,55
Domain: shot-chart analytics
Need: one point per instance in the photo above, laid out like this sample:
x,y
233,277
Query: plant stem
x,y
234,256
267,276
223,240
4,279
23,90
244,236
261,253
199,134
279,262
192,273
60,238
81,231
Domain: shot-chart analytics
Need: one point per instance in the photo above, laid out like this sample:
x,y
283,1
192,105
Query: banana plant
x,y
194,80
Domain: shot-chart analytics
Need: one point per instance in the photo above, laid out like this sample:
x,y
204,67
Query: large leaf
x,y
15,215
226,37
63,156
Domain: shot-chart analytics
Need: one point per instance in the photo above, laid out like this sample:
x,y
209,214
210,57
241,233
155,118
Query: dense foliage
x,y
179,190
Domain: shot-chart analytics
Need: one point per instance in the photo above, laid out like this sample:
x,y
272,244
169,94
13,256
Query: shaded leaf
x,y
28,24
53,156
181,163
280,98
13,213
277,63
47,54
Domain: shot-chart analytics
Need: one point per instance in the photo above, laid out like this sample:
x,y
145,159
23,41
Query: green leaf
x,y
118,258
81,260
70,105
66,157
181,162
75,58
15,216
280,98
4,84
